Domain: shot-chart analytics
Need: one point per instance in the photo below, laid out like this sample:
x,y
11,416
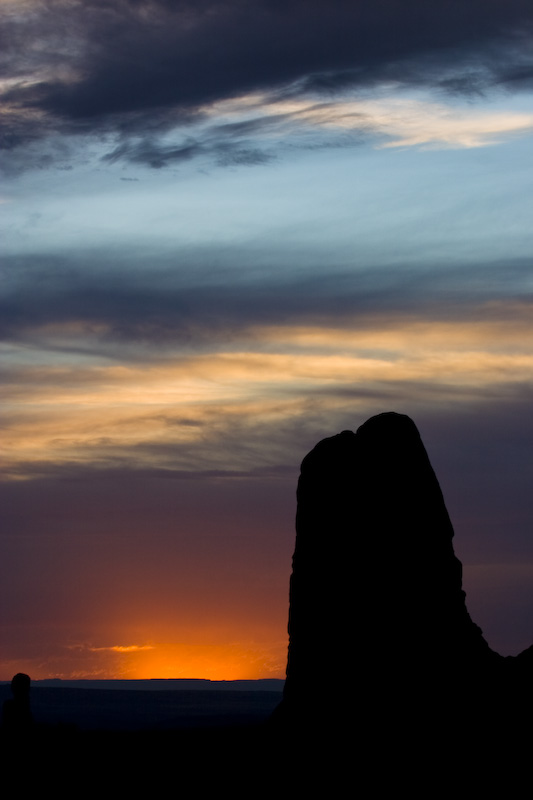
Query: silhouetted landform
x,y
376,592
17,718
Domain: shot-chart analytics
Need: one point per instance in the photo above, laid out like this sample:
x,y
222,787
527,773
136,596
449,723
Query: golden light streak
x,y
79,413
408,122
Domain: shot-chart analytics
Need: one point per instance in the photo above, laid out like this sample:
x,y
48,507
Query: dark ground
x,y
103,740
88,742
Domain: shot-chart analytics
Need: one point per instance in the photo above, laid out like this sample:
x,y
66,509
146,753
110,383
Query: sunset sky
x,y
229,229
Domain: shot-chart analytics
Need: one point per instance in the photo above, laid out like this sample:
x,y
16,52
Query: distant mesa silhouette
x,y
377,610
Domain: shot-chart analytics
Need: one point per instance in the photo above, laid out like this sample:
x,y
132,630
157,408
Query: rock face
x,y
376,602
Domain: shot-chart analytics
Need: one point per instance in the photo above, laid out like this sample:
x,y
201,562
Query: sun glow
x,y
212,662
164,660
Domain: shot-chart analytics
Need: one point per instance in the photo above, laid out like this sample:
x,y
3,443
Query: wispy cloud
x,y
257,129
220,410
400,120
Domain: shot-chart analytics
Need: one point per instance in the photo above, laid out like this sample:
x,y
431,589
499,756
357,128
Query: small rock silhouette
x,y
17,718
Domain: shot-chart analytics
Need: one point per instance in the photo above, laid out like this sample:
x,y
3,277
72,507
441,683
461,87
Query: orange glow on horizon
x,y
219,662
212,662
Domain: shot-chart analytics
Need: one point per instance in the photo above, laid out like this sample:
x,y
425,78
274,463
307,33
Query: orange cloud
x,y
83,413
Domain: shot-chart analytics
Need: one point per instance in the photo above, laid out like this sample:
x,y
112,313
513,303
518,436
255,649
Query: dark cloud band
x,y
157,309
121,65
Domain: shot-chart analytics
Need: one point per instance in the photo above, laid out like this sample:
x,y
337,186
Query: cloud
x,y
64,307
143,68
254,129
240,397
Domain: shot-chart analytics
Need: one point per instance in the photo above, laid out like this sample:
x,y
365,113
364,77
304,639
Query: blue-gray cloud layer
x,y
156,308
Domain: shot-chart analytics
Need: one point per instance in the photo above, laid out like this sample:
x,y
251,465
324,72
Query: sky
x,y
230,229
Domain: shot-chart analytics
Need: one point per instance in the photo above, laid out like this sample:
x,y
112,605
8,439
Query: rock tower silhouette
x,y
379,630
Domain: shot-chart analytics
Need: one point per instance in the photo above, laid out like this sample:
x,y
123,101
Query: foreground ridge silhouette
x,y
377,610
